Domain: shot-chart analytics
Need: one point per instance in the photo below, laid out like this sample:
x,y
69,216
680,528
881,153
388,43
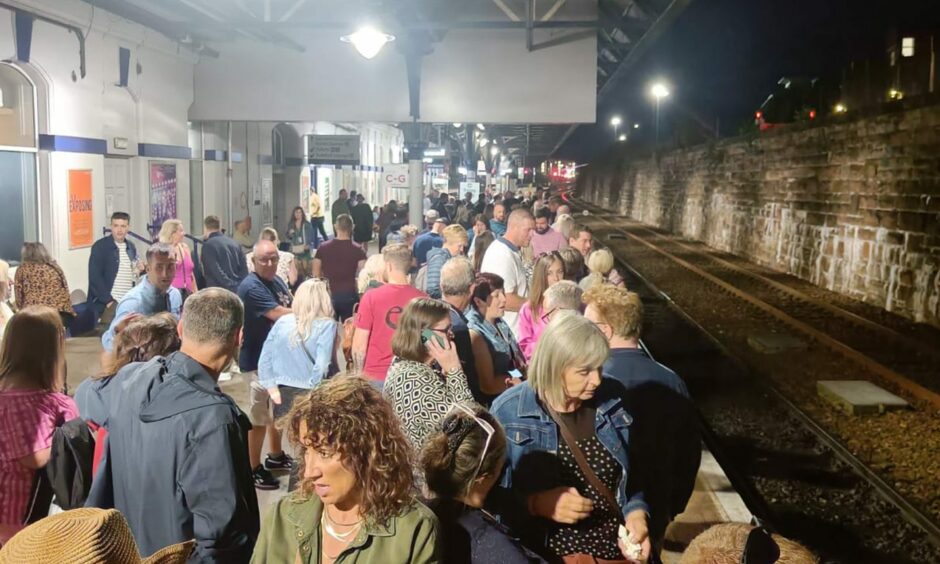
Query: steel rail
x,y
898,380
850,316
911,513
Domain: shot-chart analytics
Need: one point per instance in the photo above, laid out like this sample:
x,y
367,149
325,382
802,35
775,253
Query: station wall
x,y
151,110
151,113
853,207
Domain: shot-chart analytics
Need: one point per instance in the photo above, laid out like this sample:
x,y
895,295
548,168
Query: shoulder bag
x,y
586,469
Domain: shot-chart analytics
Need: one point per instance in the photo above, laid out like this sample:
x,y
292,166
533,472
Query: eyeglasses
x,y
490,431
447,331
547,316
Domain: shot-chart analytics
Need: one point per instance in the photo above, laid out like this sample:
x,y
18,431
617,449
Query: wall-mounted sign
x,y
162,194
333,149
81,222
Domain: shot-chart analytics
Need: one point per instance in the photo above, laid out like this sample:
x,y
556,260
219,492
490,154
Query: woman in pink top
x,y
172,233
549,269
32,375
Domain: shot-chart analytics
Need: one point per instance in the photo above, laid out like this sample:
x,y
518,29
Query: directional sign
x,y
333,149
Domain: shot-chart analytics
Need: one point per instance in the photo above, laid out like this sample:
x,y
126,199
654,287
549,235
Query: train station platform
x,y
713,501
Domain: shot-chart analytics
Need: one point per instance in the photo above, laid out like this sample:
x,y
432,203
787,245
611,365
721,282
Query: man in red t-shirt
x,y
339,260
378,314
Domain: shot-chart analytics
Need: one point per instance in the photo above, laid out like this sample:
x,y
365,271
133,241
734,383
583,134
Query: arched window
x,y
18,214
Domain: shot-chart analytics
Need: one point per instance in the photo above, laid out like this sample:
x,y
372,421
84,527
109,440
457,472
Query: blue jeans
x,y
318,230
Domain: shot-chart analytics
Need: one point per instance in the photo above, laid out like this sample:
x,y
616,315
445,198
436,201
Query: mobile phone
x,y
515,373
427,334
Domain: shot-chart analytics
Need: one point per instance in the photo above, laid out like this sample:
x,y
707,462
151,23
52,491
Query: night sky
x,y
723,57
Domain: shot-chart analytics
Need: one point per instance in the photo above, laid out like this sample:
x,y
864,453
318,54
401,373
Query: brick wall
x,y
853,207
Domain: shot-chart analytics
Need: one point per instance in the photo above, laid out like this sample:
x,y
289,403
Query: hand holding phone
x,y
441,350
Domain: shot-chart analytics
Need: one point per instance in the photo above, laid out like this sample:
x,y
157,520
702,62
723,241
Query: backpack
x,y
72,461
421,279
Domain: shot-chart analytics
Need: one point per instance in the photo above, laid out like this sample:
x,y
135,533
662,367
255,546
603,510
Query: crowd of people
x,y
474,391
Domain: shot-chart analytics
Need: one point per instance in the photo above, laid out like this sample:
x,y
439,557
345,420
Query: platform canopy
x,y
526,69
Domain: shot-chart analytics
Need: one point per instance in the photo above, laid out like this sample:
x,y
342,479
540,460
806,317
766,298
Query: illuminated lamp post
x,y
659,91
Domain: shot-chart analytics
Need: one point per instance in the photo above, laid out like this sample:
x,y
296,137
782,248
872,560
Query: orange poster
x,y
81,223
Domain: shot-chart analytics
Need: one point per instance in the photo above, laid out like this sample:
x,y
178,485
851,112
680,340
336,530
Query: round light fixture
x,y
659,90
368,41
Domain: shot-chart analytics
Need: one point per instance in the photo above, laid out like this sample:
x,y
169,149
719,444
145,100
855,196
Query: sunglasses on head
x,y
760,548
487,428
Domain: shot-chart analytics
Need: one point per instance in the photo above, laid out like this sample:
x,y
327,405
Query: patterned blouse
x,y
422,395
42,284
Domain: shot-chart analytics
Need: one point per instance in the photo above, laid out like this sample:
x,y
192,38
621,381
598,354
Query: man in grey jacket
x,y
176,458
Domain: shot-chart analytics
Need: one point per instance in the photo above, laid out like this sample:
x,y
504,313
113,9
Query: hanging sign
x,y
333,149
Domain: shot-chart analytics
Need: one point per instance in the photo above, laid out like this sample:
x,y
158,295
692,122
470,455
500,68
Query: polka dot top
x,y
597,534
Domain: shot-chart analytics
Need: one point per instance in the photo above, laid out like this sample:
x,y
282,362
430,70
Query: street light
x,y
636,126
623,137
659,91
368,41
616,121
494,150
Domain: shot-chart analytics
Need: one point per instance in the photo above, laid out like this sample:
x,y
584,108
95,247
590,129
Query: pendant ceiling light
x,y
368,41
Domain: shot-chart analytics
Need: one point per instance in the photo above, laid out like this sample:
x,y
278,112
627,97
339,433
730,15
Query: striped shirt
x,y
124,280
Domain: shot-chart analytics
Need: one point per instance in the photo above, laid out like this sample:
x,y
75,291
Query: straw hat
x,y
85,536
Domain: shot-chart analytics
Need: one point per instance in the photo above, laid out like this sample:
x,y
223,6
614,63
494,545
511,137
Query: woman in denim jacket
x,y
575,520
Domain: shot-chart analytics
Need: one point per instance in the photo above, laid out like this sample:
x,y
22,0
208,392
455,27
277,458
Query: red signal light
x,y
812,114
758,114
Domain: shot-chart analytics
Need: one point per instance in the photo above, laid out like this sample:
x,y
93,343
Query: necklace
x,y
341,537
335,522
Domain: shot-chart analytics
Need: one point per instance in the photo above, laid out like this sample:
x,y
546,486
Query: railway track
x,y
904,364
801,312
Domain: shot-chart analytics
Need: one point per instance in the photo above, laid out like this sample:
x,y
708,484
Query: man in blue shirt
x,y
153,295
455,244
427,241
498,223
665,430
266,298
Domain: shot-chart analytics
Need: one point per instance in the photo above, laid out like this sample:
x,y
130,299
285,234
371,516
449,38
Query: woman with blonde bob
x,y
172,233
600,264
563,408
372,274
300,350
356,496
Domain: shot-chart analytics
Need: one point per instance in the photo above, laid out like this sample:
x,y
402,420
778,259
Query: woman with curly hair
x,y
356,500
